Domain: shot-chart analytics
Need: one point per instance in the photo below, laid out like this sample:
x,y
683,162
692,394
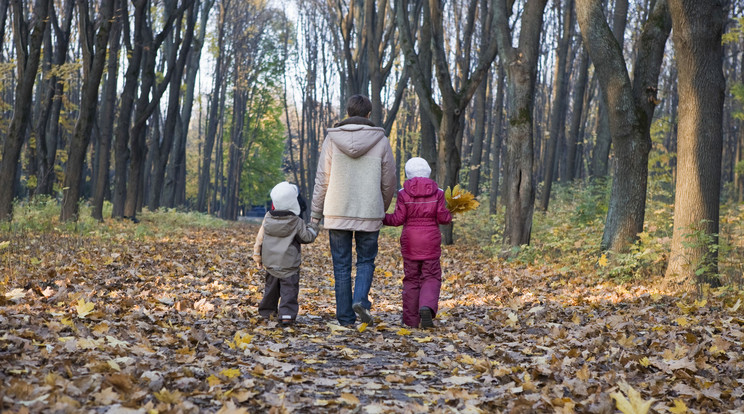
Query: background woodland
x,y
633,108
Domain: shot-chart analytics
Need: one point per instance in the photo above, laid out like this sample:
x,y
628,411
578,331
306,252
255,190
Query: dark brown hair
x,y
358,105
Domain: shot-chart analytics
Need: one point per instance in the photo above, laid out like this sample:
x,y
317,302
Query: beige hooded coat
x,y
355,179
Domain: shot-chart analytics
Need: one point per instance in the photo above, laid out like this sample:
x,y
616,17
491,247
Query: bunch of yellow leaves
x,y
459,200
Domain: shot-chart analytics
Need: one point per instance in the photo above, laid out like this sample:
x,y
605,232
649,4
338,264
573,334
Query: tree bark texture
x,y
174,108
600,155
214,110
482,96
630,109
698,27
498,138
106,119
521,73
135,50
578,107
145,106
94,61
419,66
176,166
28,36
558,107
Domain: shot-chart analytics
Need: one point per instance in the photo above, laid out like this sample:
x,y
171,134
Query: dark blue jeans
x,y
366,248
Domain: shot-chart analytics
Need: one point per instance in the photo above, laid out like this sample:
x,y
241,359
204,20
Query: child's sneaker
x,y
427,321
286,320
362,313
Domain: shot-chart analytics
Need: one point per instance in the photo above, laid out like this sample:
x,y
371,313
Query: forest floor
x,y
129,320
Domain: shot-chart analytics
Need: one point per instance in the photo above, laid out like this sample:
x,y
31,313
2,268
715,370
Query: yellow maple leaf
x,y
679,407
603,260
230,373
682,321
634,404
362,327
240,341
467,359
84,308
644,362
404,331
168,397
213,380
716,351
459,200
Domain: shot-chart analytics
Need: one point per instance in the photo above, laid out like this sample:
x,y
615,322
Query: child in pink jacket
x,y
420,208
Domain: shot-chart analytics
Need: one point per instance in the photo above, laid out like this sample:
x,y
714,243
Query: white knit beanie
x,y
284,197
417,167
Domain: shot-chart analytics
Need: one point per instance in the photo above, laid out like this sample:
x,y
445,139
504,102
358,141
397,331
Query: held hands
x,y
314,228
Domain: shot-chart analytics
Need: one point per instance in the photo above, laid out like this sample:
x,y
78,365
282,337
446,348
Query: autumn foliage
x,y
460,200
161,316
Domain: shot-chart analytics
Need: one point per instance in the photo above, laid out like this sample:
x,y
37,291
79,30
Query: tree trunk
x,y
45,95
28,48
698,27
178,160
212,120
235,161
107,117
498,138
578,107
169,131
137,135
448,116
94,60
631,109
145,107
479,136
521,64
128,95
558,107
600,157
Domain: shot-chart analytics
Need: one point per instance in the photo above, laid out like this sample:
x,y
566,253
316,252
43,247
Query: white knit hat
x,y
284,197
417,167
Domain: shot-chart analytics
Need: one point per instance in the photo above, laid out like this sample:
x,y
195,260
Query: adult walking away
x,y
354,185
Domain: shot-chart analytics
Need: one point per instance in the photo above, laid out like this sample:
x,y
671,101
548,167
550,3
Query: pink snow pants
x,y
421,285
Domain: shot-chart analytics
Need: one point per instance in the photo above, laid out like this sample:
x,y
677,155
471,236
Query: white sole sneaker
x,y
362,313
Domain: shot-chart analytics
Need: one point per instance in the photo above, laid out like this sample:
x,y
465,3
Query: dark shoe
x,y
286,320
362,313
427,320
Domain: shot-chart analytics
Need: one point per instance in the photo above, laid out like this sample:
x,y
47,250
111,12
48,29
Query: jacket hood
x,y
284,197
420,187
276,223
355,136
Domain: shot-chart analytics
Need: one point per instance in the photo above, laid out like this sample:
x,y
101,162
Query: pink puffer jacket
x,y
420,208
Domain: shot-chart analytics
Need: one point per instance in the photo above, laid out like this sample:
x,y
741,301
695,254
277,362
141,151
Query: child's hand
x,y
314,227
257,259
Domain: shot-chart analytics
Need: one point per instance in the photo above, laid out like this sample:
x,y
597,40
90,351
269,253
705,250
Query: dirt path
x,y
173,327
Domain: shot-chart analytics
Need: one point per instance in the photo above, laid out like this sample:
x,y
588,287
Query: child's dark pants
x,y
421,285
287,289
